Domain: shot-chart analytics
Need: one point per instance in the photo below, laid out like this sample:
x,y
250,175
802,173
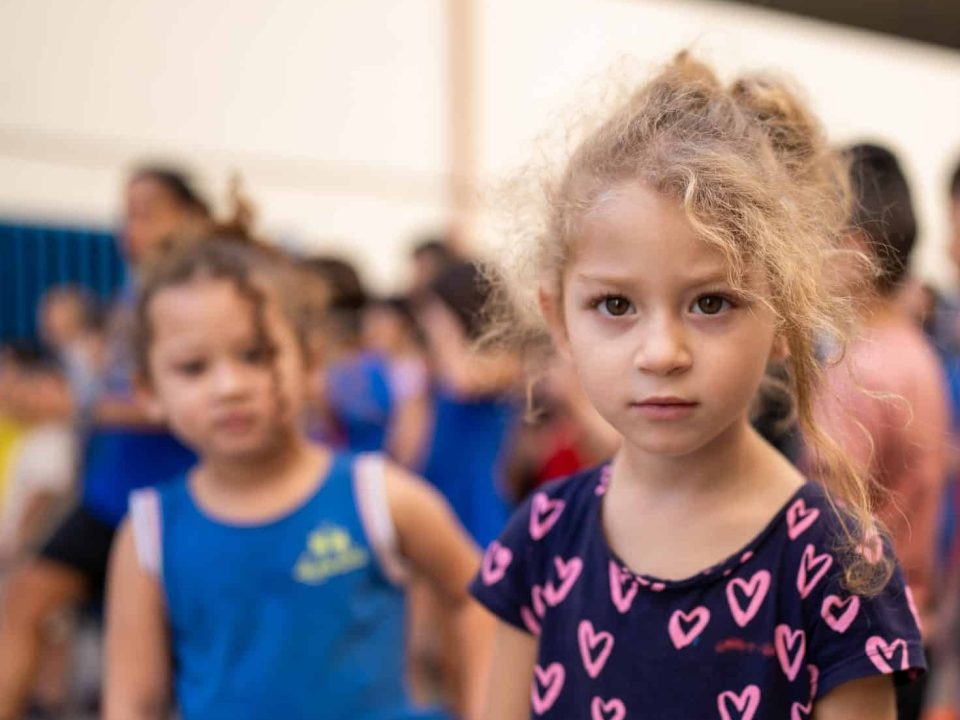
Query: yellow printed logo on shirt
x,y
330,551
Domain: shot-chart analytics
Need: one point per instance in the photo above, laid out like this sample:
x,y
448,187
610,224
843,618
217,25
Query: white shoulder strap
x,y
371,493
145,522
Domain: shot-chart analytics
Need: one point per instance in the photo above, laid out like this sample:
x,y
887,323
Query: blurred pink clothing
x,y
886,405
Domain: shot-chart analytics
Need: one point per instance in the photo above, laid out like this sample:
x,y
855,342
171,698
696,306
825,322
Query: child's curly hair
x,y
752,169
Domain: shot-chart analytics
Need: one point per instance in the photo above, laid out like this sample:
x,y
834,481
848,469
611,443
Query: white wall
x,y
336,112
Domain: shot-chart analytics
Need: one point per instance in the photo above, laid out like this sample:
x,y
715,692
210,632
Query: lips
x,y
665,408
235,422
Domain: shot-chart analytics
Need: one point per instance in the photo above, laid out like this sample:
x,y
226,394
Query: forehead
x,y
632,230
207,309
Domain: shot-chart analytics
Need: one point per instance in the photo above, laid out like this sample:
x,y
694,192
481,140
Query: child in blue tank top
x,y
684,248
267,583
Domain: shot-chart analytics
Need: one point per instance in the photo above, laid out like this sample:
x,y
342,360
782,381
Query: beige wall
x,y
337,112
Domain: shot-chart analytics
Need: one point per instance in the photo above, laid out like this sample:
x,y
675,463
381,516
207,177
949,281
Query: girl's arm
x,y
464,370
511,674
432,540
137,662
871,697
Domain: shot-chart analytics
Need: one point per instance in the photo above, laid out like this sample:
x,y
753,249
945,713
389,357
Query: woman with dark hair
x,y
123,449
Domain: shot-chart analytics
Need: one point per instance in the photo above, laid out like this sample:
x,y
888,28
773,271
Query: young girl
x,y
263,584
698,575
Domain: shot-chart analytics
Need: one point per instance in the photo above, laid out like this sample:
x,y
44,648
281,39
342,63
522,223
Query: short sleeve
x,y
852,636
505,580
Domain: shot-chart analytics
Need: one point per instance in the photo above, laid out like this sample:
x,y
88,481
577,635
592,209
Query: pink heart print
x,y
495,563
755,590
696,620
568,571
801,711
544,514
745,703
839,622
800,518
530,620
814,679
608,709
551,679
912,604
537,601
791,646
881,653
811,562
595,648
622,599
604,482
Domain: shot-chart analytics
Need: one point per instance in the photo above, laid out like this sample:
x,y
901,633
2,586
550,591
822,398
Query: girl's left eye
x,y
614,306
710,305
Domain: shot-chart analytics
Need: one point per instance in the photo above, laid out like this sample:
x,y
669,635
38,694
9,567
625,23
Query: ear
x,y
780,350
551,305
148,398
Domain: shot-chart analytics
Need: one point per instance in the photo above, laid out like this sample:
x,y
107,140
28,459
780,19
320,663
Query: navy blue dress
x,y
763,634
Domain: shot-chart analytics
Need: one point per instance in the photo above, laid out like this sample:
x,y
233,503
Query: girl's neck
x,y
243,472
735,460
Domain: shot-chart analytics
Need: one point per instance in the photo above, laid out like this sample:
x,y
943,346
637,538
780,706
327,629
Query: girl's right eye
x,y
192,368
614,306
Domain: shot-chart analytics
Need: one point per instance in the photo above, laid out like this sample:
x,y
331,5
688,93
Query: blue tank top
x,y
289,619
467,457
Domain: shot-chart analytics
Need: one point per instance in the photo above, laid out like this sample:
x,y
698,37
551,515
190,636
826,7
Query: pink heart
x,y
756,590
622,600
810,561
552,680
530,620
608,710
658,587
842,622
697,618
881,653
799,518
604,481
544,514
567,571
745,703
788,641
814,679
590,640
912,604
495,563
537,602
799,711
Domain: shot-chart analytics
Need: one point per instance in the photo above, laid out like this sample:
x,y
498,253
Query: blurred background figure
x,y
885,403
123,448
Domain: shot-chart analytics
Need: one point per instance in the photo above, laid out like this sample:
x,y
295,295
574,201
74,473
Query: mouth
x,y
665,408
235,422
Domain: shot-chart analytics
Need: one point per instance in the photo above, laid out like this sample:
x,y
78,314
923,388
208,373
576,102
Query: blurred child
x,y
390,330
44,461
354,381
475,405
265,583
680,250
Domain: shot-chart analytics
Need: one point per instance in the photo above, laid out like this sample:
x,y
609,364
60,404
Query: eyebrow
x,y
706,278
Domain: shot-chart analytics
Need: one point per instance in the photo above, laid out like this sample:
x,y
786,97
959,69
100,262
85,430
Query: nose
x,y
229,380
663,347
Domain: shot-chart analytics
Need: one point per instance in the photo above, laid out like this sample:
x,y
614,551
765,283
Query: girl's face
x,y
152,213
667,350
221,390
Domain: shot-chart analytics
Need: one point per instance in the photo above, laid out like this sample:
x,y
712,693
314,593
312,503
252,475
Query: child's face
x,y
221,391
668,352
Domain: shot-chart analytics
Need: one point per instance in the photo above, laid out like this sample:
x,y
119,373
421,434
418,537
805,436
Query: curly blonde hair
x,y
752,169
